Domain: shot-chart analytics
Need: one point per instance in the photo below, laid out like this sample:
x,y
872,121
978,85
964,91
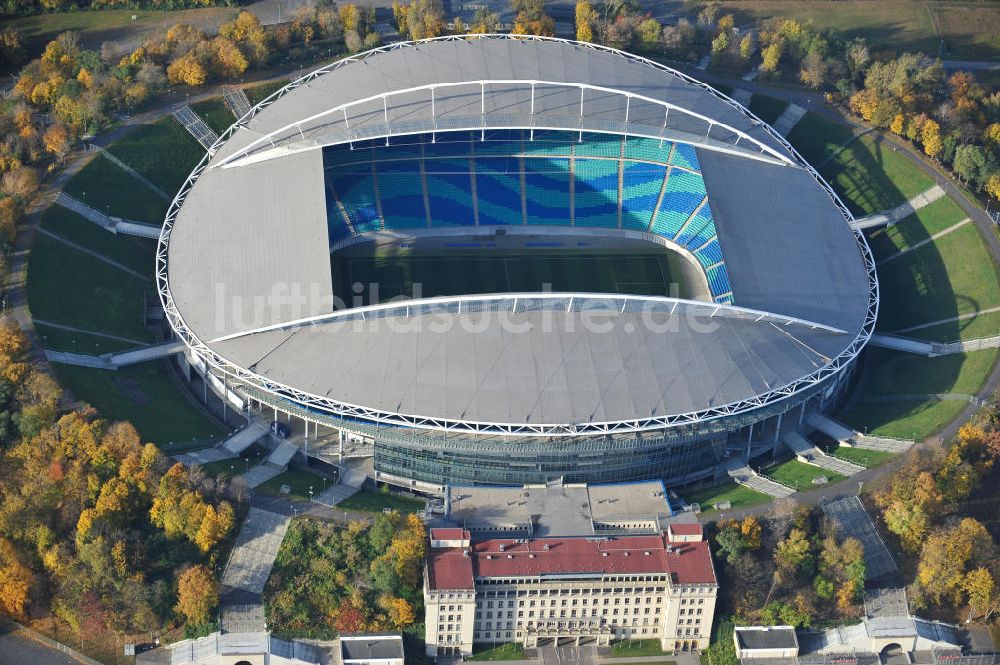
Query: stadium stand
x,y
514,177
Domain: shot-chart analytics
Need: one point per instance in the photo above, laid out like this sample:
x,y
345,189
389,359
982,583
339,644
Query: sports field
x,y
429,275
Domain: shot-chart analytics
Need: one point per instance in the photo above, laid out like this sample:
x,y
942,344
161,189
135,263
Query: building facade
x,y
569,590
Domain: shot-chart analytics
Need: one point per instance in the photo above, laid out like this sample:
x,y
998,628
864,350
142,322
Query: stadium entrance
x,y
379,271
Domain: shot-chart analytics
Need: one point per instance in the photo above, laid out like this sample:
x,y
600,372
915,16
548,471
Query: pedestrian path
x,y
107,222
903,210
256,548
961,317
902,344
742,96
918,245
91,333
128,169
934,349
244,438
204,456
90,252
788,119
237,101
352,478
260,474
115,360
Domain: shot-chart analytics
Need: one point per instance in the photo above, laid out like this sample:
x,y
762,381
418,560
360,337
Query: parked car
x,y
280,430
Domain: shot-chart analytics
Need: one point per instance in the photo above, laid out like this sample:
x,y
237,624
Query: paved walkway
x,y
96,255
116,360
961,317
918,245
256,547
903,210
16,648
92,333
788,119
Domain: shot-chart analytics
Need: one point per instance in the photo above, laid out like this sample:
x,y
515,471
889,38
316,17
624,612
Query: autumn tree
x,y
16,580
197,595
948,555
586,17
530,18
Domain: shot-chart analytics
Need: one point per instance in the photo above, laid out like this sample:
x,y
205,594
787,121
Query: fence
x,y
24,631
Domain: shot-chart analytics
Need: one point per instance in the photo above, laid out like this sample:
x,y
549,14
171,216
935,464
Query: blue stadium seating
x,y
546,191
401,194
595,196
518,180
641,184
448,187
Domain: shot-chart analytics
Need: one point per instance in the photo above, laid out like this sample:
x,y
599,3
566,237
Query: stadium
x,y
508,260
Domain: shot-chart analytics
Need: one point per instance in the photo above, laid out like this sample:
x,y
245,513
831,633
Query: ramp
x,y
146,354
205,456
283,454
788,119
889,217
352,479
197,127
140,229
742,96
884,443
245,438
260,474
833,429
255,550
902,344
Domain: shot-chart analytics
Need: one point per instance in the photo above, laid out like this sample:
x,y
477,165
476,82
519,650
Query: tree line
x,y
359,577
954,119
97,528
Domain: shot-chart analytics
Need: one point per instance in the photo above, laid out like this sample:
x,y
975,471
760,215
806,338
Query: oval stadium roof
x,y
244,261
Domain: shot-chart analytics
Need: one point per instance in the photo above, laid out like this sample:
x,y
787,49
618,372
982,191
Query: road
x,y
18,650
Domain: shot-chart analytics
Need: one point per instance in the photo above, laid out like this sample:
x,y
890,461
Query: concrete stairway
x,y
107,222
747,477
256,548
848,437
260,474
204,456
282,455
884,443
810,454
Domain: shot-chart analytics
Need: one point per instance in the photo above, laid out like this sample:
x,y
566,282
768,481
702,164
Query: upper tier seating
x,y
511,177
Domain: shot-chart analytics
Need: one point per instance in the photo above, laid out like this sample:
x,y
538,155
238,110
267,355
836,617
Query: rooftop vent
x,y
547,547
604,553
503,547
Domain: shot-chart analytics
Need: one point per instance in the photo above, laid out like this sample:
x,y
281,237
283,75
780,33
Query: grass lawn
x,y
624,648
610,272
767,108
953,275
892,24
981,325
863,456
298,480
162,151
921,225
509,651
147,396
139,254
799,475
71,340
374,502
914,419
900,373
871,176
737,495
817,138
215,113
970,31
258,93
106,187
72,288
97,27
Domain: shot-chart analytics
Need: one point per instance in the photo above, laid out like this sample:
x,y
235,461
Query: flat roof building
x,y
371,649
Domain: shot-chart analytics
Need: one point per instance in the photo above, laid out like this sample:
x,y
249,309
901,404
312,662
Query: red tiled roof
x,y
449,533
449,568
686,529
688,563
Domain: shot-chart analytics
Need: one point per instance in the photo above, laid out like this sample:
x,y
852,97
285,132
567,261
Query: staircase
x,y
747,477
245,438
810,454
883,443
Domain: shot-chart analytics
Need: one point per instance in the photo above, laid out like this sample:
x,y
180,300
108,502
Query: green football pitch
x,y
381,277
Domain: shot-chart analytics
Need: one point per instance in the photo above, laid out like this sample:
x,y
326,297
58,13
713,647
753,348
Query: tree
x,y
585,18
401,614
650,32
730,543
57,140
981,588
746,46
973,164
20,183
794,553
197,595
993,186
187,70
770,57
215,526
350,17
930,136
948,554
531,19
814,69
16,580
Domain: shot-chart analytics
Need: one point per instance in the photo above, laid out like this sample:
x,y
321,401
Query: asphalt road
x,y
17,650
